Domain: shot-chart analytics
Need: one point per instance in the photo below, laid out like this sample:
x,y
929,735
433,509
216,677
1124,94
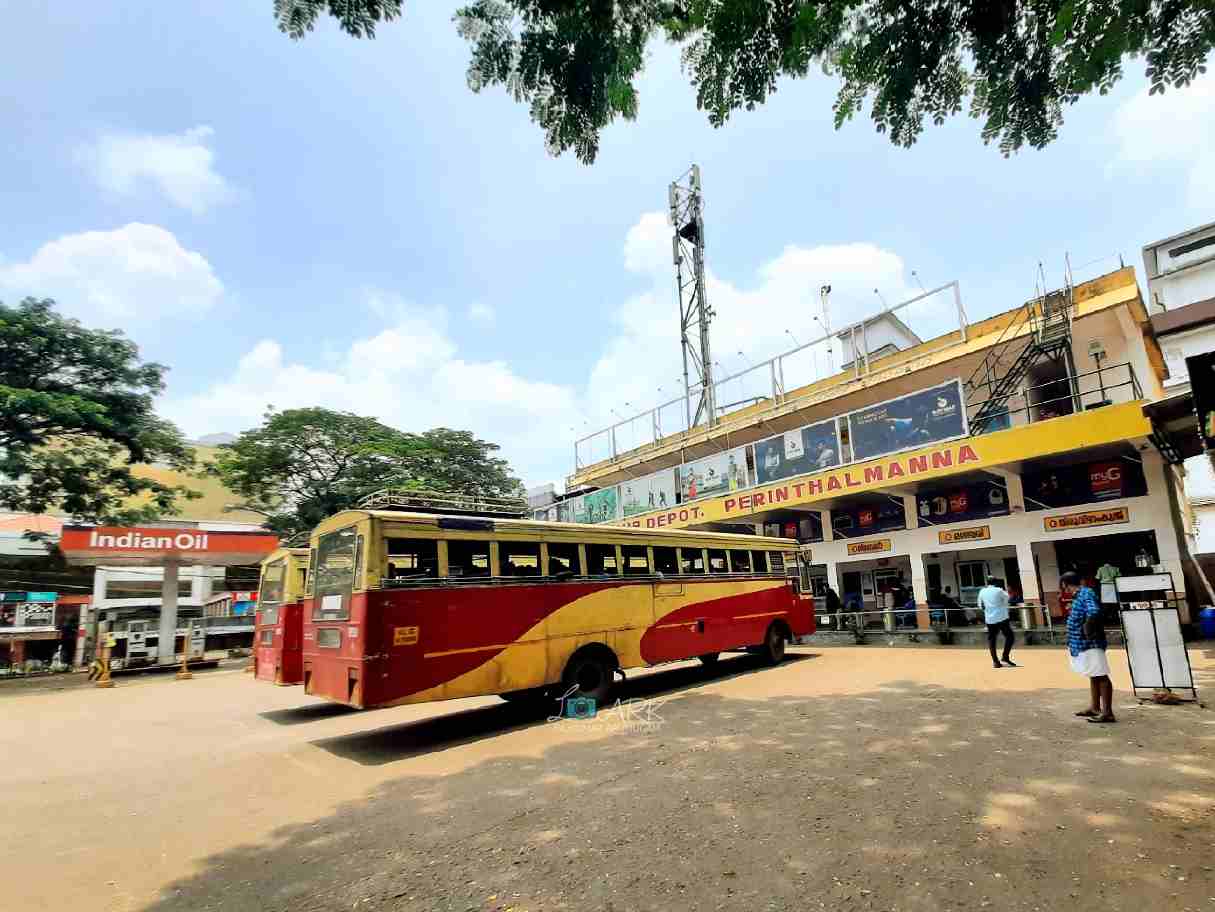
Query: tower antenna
x,y
688,253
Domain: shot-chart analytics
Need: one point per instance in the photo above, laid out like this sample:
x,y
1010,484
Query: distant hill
x,y
215,439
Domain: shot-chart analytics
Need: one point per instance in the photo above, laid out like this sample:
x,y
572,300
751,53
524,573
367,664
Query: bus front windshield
x,y
274,576
336,564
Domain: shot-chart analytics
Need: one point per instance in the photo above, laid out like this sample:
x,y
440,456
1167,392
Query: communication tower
x,y
688,252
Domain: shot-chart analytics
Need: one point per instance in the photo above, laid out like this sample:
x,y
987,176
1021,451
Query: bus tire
x,y
773,649
709,659
590,672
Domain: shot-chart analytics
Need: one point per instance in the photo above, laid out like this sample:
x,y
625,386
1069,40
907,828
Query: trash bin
x,y
1206,623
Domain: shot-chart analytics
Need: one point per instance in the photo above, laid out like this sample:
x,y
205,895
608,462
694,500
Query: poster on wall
x,y
596,507
878,517
716,474
797,452
652,492
1067,486
917,419
963,503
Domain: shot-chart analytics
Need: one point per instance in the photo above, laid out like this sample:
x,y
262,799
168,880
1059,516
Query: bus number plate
x,y
404,636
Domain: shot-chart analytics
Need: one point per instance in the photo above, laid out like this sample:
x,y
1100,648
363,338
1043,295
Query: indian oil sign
x,y
84,544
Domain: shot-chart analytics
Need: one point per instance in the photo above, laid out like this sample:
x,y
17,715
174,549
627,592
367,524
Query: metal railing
x,y
444,502
1065,395
767,381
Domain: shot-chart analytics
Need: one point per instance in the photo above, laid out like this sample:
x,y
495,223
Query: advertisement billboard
x,y
797,452
962,503
651,492
881,516
716,474
917,419
596,507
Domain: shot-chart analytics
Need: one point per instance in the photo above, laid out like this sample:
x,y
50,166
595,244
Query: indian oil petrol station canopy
x,y
156,546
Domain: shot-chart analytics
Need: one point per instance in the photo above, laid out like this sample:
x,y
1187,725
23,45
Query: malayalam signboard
x,y
869,547
969,534
918,419
650,492
1085,520
716,474
797,452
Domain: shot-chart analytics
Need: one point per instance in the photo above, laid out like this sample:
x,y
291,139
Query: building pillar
x,y
1169,552
165,650
825,520
16,652
1016,492
1030,593
911,512
919,589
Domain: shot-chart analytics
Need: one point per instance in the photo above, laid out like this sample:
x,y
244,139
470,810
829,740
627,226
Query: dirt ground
x,y
860,778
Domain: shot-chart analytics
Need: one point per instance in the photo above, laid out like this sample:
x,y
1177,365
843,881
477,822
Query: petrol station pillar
x,y
166,649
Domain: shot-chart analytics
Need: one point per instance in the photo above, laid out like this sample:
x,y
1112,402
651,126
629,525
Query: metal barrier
x,y
1084,392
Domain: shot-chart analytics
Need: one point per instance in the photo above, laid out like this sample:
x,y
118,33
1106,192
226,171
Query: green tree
x,y
1019,62
75,416
303,465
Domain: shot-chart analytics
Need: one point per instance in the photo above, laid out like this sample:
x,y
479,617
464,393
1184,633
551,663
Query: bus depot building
x,y
1019,447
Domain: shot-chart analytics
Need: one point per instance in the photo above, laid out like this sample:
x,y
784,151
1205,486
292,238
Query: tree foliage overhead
x,y
1019,62
303,465
75,415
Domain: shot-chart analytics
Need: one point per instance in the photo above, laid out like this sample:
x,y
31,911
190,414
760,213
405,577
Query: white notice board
x,y
1156,651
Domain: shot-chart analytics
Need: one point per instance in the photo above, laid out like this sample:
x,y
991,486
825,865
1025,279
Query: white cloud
x,y
1171,131
136,272
178,165
751,324
411,374
482,314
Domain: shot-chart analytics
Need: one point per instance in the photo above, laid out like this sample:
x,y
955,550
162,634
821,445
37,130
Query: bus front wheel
x,y
709,658
773,649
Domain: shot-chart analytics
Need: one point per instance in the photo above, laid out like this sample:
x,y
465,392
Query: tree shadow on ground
x,y
910,796
396,742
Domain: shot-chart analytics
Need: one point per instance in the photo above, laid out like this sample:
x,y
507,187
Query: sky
x,y
343,223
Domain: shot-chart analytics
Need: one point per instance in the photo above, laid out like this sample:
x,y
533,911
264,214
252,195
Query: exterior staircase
x,y
1000,375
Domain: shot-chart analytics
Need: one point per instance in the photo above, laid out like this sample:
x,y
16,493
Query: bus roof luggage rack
x,y
444,502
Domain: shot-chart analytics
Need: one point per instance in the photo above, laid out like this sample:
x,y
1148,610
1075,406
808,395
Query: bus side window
x,y
740,561
636,561
717,561
691,560
562,559
776,562
467,558
759,560
519,558
601,560
412,558
665,561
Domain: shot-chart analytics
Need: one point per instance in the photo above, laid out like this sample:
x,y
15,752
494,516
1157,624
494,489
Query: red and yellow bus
x,y
279,629
409,607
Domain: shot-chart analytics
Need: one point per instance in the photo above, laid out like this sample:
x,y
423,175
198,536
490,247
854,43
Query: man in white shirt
x,y
994,602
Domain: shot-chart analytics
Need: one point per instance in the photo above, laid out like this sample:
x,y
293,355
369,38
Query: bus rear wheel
x,y
590,673
709,658
773,650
